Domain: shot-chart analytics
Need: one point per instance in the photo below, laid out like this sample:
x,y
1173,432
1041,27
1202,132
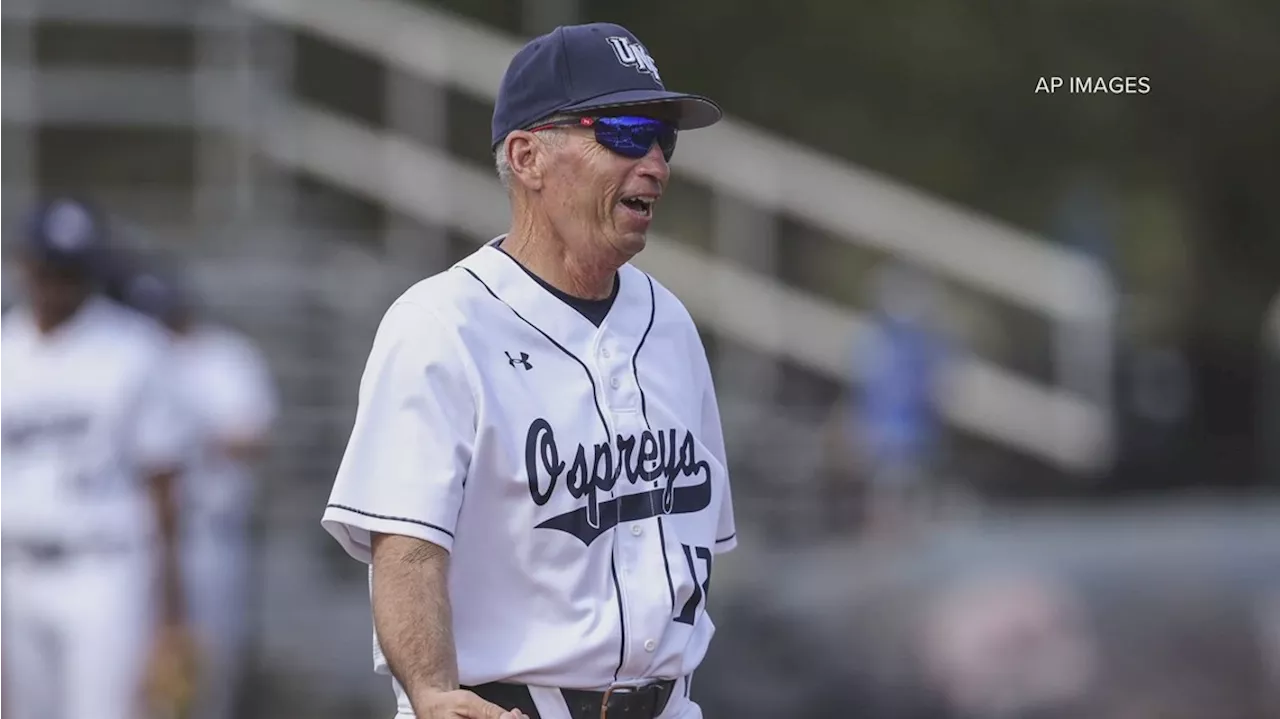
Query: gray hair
x,y
503,167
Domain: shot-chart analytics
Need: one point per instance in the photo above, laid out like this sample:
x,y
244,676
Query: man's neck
x,y
49,323
548,257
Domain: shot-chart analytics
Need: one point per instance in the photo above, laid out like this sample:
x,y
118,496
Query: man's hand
x,y
461,704
171,673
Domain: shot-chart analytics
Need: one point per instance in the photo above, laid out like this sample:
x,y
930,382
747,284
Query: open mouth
x,y
639,205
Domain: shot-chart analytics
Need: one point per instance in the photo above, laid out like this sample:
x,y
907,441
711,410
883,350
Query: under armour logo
x,y
523,359
633,54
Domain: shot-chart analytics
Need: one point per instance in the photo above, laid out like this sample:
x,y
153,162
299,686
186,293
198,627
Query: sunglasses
x,y
625,135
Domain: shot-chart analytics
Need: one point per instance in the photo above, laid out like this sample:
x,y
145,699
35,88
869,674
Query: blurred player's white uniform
x,y
87,415
226,386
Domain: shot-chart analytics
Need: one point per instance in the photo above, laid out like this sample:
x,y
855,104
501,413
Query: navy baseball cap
x,y
578,68
66,233
154,294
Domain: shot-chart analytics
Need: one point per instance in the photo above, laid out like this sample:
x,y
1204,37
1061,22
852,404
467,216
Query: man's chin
x,y
631,243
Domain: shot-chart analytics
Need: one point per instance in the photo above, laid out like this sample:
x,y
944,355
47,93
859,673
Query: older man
x,y
536,474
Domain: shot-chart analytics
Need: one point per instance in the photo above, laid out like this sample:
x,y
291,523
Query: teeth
x,y
638,203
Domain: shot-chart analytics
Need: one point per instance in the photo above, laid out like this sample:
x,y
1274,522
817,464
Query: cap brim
x,y
688,112
86,261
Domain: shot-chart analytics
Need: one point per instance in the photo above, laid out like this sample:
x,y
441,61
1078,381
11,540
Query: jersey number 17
x,y
700,591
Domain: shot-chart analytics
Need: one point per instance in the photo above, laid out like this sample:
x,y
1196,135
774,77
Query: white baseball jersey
x,y
225,385
87,411
576,473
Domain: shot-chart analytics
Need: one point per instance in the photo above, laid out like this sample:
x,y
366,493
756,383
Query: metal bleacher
x,y
747,172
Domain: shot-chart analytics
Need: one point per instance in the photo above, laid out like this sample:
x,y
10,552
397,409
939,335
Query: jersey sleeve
x,y
405,462
713,437
158,432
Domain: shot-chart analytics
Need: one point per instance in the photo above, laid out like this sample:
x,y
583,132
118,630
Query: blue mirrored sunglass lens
x,y
633,136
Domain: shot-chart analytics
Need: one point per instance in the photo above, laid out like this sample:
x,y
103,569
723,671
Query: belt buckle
x,y
629,688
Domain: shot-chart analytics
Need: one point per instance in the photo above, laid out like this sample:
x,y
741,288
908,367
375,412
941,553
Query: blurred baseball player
x,y
225,385
537,471
93,608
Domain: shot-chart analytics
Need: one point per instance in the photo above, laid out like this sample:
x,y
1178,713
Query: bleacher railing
x,y
1068,426
1066,423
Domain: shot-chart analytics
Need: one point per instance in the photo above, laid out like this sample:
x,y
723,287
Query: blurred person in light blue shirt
x,y
897,420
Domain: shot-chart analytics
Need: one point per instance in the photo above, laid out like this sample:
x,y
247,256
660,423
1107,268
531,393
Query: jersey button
x,y
615,383
650,645
604,354
636,530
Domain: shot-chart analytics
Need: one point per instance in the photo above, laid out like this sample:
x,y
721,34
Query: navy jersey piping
x,y
409,520
644,412
666,563
563,297
594,397
653,312
622,619
617,588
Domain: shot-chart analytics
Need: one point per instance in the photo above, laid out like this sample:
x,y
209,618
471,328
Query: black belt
x,y
642,702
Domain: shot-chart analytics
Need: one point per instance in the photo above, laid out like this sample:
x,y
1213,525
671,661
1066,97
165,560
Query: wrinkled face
x,y
592,194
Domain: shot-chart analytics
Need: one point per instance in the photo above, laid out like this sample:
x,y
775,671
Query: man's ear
x,y
524,156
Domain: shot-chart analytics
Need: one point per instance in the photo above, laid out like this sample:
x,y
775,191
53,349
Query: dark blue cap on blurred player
x,y
154,293
575,69
66,234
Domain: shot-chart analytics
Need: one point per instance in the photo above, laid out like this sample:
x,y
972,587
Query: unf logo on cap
x,y
633,54
68,226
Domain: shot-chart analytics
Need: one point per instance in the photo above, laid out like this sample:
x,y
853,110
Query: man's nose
x,y
654,165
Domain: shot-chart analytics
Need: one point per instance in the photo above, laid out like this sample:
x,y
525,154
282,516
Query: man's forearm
x,y
173,605
412,615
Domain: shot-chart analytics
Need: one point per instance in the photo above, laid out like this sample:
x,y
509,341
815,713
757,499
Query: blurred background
x,y
999,369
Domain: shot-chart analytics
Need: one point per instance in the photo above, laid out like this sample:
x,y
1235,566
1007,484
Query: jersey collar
x,y
509,283
84,316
